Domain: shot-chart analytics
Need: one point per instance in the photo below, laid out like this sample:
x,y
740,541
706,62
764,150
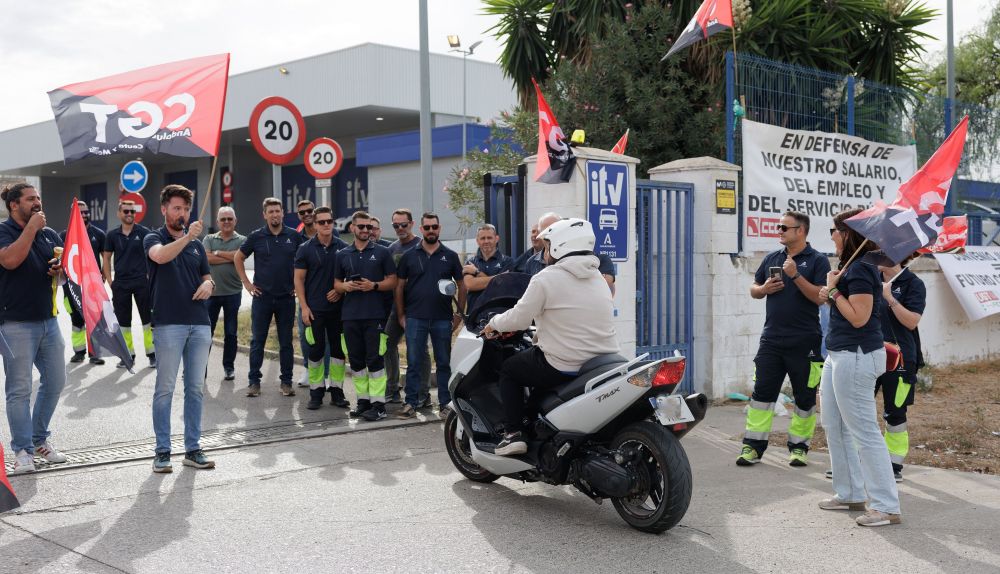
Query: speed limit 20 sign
x,y
323,158
277,130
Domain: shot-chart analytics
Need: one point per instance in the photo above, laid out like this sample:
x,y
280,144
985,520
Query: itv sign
x,y
607,185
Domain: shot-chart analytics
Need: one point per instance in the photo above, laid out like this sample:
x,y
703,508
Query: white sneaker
x,y
49,453
23,463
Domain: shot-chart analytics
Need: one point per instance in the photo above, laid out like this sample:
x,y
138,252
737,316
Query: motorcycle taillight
x,y
669,373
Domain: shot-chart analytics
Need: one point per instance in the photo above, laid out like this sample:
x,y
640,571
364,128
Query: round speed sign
x,y
323,158
277,130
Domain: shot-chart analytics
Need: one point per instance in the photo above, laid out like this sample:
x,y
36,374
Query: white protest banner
x,y
816,173
974,276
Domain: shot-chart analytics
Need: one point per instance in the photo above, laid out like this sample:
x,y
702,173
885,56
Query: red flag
x,y
620,146
86,290
173,108
8,500
953,237
711,18
555,157
914,219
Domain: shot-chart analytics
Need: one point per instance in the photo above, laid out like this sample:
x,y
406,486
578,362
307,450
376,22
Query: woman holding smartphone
x,y
855,359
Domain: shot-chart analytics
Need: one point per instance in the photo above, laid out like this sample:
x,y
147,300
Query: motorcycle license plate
x,y
671,409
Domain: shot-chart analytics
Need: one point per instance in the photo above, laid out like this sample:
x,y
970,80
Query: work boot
x,y
375,413
337,398
77,357
315,398
363,405
96,361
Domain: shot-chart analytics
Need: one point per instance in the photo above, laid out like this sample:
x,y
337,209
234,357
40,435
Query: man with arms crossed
x,y
221,248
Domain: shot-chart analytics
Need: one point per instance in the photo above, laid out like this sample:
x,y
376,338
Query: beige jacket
x,y
572,307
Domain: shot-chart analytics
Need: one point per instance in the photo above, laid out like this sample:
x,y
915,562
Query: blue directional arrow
x,y
134,176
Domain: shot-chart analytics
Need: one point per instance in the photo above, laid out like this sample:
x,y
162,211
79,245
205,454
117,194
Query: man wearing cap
x,y
124,244
421,306
78,337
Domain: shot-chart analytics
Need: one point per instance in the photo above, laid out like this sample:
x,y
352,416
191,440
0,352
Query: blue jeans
x,y
37,343
417,331
230,307
282,308
858,454
176,343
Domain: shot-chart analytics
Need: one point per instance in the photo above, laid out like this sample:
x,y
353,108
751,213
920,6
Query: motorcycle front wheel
x,y
664,474
461,454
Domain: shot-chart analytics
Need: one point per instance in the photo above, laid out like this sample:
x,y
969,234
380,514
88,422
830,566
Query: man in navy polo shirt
x,y
180,283
78,338
365,271
29,269
425,311
486,264
273,247
402,224
124,243
790,279
321,310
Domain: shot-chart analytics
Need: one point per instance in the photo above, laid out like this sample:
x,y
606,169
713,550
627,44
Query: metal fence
x,y
664,306
803,98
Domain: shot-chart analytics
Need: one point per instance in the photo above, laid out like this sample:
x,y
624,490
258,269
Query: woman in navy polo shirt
x,y
855,359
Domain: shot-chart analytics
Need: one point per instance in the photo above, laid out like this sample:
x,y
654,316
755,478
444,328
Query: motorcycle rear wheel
x,y
461,454
665,478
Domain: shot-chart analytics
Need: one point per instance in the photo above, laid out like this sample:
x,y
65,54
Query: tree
x,y
671,114
874,39
510,141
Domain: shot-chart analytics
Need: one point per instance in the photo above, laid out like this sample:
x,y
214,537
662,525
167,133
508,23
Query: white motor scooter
x,y
613,432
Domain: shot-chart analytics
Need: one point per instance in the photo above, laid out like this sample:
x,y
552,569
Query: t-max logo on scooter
x,y
608,394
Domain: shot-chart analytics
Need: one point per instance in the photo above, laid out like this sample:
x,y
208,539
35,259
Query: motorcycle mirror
x,y
447,287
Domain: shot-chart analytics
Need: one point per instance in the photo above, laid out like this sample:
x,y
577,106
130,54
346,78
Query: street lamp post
x,y
456,46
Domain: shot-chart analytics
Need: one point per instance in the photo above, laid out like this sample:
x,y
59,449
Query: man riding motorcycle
x,y
560,300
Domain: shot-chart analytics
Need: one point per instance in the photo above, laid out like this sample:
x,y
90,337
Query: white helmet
x,y
568,236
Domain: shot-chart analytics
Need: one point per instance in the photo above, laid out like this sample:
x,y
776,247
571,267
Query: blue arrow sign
x,y
134,176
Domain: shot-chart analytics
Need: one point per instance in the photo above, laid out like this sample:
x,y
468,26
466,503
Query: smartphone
x,y
775,272
355,277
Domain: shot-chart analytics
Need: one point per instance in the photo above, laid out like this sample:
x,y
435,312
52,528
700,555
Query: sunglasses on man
x,y
783,228
225,219
305,212
363,226
432,227
403,225
324,222
128,211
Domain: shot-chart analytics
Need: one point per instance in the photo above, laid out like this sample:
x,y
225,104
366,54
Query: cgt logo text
x,y
130,126
763,227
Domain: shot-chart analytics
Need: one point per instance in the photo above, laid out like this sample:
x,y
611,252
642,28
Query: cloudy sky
x,y
49,44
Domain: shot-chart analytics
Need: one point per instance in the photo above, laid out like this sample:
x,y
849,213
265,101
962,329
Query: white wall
x,y
397,185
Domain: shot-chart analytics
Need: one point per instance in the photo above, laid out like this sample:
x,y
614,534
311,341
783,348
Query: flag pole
x,y
856,251
208,194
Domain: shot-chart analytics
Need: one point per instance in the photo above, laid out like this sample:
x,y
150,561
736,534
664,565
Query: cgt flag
x,y
620,146
555,158
711,18
86,290
914,219
173,108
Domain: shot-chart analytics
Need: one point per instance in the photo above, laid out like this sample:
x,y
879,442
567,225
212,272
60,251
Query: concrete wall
x,y
728,322
395,186
570,200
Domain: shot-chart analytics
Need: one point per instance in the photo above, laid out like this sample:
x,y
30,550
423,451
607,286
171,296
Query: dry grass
x,y
951,424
